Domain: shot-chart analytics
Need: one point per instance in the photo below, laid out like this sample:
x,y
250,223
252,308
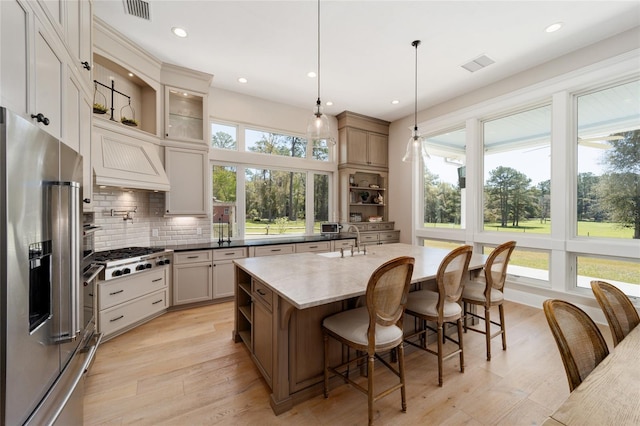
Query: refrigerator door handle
x,y
69,234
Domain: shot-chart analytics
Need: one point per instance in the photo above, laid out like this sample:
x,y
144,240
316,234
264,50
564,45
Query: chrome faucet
x,y
357,239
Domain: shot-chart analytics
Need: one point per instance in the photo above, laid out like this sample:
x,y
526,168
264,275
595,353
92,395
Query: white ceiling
x,y
366,55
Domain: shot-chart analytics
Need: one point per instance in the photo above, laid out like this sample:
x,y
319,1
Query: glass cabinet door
x,y
184,115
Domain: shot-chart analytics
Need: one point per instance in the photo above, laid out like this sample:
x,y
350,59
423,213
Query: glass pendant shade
x,y
318,126
415,148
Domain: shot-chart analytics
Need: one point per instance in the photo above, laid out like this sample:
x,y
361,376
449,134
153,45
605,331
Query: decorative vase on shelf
x,y
364,196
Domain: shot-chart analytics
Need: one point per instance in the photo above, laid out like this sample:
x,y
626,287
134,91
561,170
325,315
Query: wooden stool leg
x,y
370,390
487,328
401,368
440,349
460,344
504,332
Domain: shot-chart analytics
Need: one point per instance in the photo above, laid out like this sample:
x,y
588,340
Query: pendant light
x,y
415,147
318,126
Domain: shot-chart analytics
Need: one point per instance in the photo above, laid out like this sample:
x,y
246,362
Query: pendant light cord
x,y
416,43
318,101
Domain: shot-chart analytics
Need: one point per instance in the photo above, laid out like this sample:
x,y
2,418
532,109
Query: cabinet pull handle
x,y
312,247
276,249
86,200
86,65
116,292
192,257
117,318
231,253
40,118
156,302
156,280
261,292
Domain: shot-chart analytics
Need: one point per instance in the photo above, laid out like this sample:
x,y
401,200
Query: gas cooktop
x,y
131,260
125,253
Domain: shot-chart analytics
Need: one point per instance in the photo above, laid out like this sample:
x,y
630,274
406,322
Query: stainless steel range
x,y
131,260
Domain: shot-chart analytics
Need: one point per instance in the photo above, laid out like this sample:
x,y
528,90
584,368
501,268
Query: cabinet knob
x,y
86,65
40,118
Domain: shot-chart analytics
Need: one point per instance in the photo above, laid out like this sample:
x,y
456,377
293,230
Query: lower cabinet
x,y
125,302
223,271
262,331
192,277
203,275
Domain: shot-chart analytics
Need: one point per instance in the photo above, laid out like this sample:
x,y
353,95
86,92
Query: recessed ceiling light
x,y
180,32
130,74
311,74
328,103
554,27
185,94
242,80
395,102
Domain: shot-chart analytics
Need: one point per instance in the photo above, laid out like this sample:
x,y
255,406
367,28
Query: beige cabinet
x,y
126,302
14,59
79,19
184,115
363,141
377,233
272,250
47,82
223,271
192,277
187,170
316,247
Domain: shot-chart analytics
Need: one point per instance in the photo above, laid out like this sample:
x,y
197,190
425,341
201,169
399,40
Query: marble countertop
x,y
309,279
258,242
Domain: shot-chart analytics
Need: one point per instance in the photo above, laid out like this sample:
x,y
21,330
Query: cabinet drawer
x,y
192,257
374,227
274,250
227,254
112,320
111,293
369,238
345,244
386,226
262,293
321,246
389,236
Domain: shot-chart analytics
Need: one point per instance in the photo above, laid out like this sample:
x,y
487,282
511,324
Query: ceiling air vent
x,y
478,63
137,8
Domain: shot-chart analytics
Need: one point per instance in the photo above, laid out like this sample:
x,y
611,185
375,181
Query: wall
x,y
116,232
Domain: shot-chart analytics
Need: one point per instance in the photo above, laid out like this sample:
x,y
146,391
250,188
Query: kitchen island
x,y
281,300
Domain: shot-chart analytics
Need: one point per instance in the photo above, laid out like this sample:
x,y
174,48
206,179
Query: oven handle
x,y
94,271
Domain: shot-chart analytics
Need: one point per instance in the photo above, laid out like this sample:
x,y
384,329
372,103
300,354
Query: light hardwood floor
x,y
184,369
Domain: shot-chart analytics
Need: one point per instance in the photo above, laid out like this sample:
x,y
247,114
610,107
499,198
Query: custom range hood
x,y
126,162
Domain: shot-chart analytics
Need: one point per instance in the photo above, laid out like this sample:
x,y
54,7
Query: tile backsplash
x,y
135,219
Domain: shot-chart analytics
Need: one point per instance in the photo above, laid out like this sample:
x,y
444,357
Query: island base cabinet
x,y
263,340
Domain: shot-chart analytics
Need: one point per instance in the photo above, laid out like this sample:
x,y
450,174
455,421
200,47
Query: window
x,y
443,180
320,200
532,265
223,136
608,181
224,186
517,172
275,201
275,144
624,274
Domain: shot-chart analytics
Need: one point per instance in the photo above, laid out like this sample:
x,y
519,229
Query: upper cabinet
x,y
184,115
363,141
186,105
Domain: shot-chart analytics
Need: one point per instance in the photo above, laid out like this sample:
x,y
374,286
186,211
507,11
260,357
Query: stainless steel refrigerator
x,y
46,340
